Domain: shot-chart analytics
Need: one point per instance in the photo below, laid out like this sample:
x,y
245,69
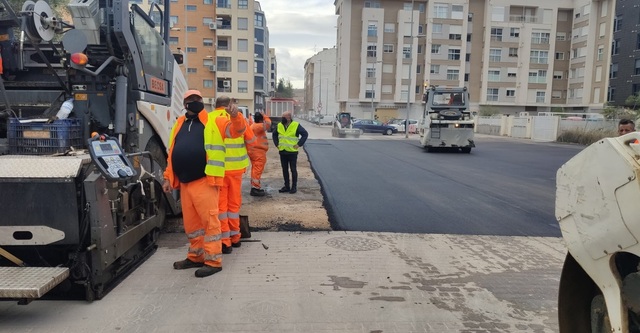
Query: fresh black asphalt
x,y
504,187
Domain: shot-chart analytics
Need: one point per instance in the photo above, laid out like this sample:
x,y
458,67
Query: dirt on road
x,y
302,211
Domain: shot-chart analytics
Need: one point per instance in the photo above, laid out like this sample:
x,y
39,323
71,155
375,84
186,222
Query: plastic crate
x,y
40,138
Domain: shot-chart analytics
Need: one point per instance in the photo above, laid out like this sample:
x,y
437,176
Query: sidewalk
x,y
326,282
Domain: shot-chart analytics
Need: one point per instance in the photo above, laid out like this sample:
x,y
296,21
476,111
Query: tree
x,y
633,101
284,89
488,111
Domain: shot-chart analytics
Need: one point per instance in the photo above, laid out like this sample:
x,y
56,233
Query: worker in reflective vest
x,y
286,139
258,152
196,166
236,163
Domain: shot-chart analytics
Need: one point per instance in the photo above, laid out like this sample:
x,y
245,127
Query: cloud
x,y
297,31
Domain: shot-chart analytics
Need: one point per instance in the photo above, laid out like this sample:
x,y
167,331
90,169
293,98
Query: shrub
x,y
585,137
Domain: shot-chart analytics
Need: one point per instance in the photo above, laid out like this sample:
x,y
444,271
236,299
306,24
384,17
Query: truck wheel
x,y
466,150
388,131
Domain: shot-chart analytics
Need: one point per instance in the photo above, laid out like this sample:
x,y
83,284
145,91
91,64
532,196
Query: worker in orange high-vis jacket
x,y
258,152
236,163
195,165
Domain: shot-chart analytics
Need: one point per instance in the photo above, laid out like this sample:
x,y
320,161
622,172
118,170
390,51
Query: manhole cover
x,y
353,243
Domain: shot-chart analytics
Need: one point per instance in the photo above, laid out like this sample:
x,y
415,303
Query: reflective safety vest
x,y
236,157
288,138
213,144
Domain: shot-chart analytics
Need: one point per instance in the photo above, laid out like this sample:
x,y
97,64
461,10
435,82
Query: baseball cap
x,y
192,92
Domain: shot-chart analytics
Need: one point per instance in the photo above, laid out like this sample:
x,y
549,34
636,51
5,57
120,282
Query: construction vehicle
x,y
343,127
597,195
276,107
447,123
80,194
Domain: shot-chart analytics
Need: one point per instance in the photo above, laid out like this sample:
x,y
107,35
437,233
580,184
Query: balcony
x,y
523,19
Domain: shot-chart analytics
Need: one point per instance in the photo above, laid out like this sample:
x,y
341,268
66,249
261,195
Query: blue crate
x,y
40,138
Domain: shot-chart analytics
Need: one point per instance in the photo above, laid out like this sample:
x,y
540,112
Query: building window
x,y
243,45
600,53
492,94
540,96
369,94
512,72
638,42
513,51
539,76
540,37
559,55
613,72
406,52
617,23
243,86
435,48
207,83
420,29
372,29
404,93
192,29
455,36
453,74
371,72
435,69
192,49
494,75
243,23
418,69
207,42
192,8
407,6
389,27
419,48
437,28
372,4
387,89
557,75
615,49
611,94
243,66
421,7
515,32
441,11
242,4
496,34
223,4
223,44
539,57
192,70
637,72
457,12
173,40
258,20
387,48
556,94
561,36
454,54
207,2
511,93
495,55
371,50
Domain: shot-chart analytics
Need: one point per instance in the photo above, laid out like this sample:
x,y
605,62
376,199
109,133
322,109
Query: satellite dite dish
x,y
40,22
74,41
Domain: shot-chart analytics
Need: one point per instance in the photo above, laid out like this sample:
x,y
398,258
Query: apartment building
x,y
193,33
273,72
243,41
320,83
513,55
624,72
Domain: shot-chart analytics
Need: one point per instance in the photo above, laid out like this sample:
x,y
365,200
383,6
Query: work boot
x,y
284,189
257,192
207,270
238,244
293,190
186,264
226,249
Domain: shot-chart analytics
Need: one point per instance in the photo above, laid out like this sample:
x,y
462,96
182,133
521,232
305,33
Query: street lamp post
x,y
320,86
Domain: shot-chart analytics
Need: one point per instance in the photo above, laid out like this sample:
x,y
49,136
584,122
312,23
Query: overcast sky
x,y
298,29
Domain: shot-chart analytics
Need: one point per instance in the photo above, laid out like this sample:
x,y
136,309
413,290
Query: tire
x,y
361,131
388,131
430,149
466,150
450,114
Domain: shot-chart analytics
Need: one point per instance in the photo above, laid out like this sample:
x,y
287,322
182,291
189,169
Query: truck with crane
x,y
80,192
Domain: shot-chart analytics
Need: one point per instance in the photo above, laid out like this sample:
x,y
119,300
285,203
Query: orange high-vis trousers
x,y
201,224
259,159
229,207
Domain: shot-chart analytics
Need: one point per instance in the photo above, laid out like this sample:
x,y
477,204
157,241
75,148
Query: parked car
x,y
374,126
399,125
